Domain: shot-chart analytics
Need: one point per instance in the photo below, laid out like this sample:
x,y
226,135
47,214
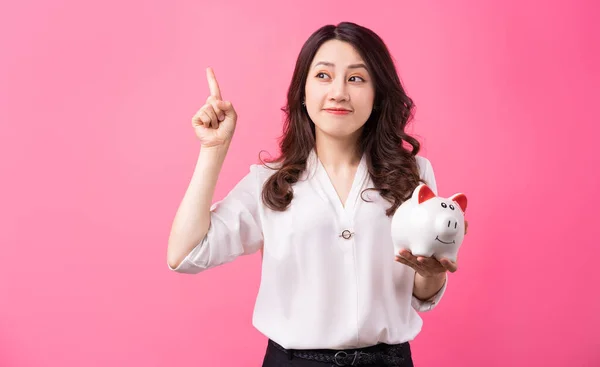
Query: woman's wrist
x,y
426,287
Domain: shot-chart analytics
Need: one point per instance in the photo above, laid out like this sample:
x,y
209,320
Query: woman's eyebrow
x,y
352,66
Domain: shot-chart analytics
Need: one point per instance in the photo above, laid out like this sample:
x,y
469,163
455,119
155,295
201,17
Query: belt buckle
x,y
342,355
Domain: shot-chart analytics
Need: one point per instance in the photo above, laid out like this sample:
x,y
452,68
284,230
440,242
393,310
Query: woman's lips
x,y
338,111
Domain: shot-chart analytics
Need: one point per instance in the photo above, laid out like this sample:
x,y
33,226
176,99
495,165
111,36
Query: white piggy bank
x,y
429,225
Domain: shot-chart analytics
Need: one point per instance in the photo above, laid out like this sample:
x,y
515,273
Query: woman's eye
x,y
356,77
322,75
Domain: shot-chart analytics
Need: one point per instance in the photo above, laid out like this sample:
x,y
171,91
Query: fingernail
x,y
221,117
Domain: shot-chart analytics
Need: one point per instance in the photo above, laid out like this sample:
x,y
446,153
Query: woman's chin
x,y
338,132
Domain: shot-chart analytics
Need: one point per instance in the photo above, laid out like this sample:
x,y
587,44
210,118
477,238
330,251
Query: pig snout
x,y
446,225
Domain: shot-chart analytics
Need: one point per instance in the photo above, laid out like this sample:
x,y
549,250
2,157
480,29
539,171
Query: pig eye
x,y
444,205
451,206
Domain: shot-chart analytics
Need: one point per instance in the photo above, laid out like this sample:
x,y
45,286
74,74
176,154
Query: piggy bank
x,y
429,225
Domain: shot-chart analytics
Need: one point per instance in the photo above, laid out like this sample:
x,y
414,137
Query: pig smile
x,y
445,243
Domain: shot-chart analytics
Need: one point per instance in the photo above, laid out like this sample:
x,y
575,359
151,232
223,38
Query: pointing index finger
x,y
212,83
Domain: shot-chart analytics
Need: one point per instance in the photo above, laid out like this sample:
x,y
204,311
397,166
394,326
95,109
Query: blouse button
x,y
346,234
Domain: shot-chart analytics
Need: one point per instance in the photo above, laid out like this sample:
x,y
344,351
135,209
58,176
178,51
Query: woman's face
x,y
339,90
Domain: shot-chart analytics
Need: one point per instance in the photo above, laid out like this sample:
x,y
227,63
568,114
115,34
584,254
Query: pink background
x,y
97,149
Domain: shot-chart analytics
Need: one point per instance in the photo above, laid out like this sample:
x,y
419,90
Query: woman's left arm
x,y
430,274
428,286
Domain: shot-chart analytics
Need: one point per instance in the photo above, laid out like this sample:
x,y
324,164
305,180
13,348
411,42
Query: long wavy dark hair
x,y
392,166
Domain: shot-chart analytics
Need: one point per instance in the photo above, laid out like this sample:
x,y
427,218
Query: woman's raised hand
x,y
214,123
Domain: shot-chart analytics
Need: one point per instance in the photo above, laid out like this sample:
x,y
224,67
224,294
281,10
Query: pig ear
x,y
425,193
461,200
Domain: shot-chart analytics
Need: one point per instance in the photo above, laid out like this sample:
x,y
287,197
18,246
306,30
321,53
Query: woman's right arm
x,y
192,219
214,125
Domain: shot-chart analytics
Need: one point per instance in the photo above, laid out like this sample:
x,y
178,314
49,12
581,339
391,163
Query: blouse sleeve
x,y
235,228
426,171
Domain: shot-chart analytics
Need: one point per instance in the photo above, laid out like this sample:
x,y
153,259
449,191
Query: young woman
x,y
331,292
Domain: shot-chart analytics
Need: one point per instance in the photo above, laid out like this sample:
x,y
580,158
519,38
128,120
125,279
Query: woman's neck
x,y
337,153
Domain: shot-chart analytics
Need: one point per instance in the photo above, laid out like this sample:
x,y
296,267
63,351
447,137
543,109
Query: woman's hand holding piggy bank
x,y
427,231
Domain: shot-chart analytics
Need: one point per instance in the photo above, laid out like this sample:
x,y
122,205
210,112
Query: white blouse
x,y
329,278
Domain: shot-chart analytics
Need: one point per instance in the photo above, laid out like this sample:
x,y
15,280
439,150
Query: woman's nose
x,y
338,91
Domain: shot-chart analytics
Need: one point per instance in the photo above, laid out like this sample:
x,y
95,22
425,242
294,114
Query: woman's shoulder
x,y
426,172
424,165
263,171
422,162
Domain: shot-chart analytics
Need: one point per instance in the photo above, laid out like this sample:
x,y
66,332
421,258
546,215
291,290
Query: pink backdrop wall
x,y
97,149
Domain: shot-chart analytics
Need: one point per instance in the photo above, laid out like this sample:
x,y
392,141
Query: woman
x,y
330,292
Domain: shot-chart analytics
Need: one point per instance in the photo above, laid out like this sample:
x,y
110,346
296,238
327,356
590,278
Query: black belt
x,y
388,355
